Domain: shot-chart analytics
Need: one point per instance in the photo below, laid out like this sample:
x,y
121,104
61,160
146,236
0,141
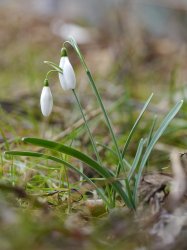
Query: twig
x,y
178,185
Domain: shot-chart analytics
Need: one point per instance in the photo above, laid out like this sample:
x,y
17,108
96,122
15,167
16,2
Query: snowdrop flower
x,y
67,79
46,99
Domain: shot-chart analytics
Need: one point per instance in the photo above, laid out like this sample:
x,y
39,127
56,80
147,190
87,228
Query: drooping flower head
x,y
46,99
67,79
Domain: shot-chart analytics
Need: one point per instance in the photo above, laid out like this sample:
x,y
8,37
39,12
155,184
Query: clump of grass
x,y
121,183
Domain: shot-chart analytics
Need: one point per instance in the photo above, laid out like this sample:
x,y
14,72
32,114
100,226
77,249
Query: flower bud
x,y
46,100
67,79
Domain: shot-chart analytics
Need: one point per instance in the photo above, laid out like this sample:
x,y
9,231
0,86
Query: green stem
x,y
49,72
87,127
68,186
73,43
12,170
92,83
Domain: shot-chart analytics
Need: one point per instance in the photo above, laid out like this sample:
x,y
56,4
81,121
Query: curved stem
x,y
92,83
68,186
49,72
73,43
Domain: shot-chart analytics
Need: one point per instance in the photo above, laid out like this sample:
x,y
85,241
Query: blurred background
x,y
133,48
128,40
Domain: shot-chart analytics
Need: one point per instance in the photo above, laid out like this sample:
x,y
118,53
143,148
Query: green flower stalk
x,y
68,81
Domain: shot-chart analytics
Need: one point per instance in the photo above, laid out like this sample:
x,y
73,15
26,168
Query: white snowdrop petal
x,y
69,75
63,82
67,79
61,76
46,101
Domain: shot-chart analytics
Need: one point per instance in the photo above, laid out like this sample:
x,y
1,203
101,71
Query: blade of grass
x,y
55,159
7,147
84,158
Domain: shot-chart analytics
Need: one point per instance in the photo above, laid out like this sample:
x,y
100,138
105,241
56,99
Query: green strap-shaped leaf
x,y
55,159
153,141
133,130
136,159
70,151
